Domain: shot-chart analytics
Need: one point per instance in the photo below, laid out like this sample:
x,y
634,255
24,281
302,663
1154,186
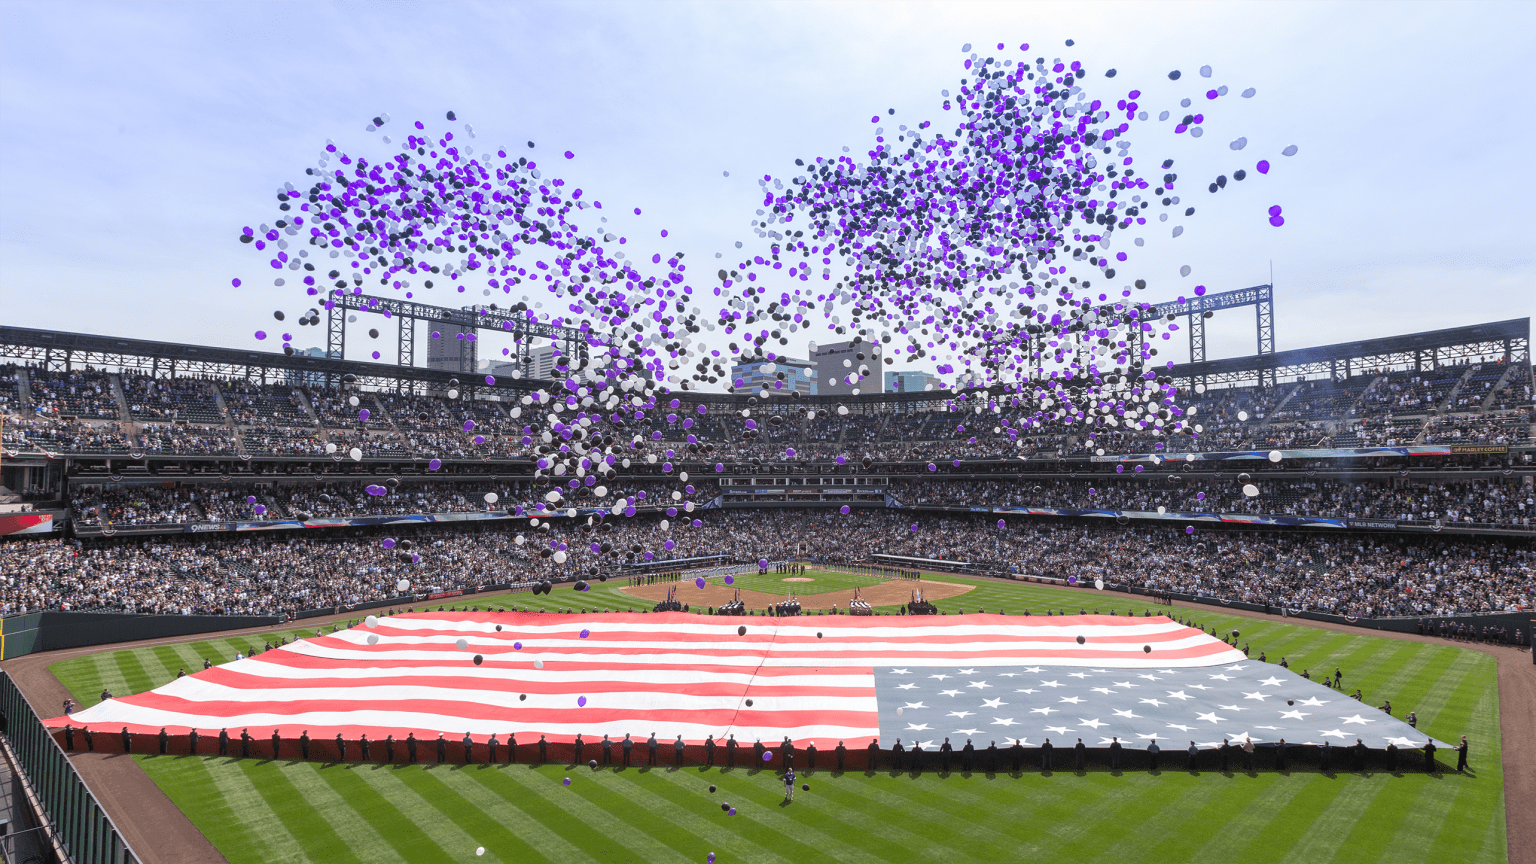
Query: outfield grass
x,y
823,581
264,811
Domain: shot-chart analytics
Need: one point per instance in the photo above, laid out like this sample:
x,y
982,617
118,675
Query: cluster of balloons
x,y
986,251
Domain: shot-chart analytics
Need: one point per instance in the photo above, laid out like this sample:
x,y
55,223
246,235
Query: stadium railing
x,y
76,818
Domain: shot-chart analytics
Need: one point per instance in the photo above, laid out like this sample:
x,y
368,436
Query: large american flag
x,y
922,679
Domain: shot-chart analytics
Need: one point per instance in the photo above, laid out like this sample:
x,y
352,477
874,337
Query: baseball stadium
x,y
1013,569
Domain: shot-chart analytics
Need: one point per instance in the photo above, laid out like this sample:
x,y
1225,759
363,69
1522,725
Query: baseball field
x,y
292,811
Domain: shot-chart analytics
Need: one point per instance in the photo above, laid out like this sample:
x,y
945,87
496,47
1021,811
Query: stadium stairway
x,y
1450,398
1498,385
115,382
302,399
24,388
1350,411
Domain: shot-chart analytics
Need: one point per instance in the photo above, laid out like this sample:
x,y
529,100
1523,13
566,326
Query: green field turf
x,y
263,811
823,581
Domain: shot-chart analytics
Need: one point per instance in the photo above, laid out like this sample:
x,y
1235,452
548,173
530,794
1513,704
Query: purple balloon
x,y
1190,529
844,510
388,543
434,464
1263,166
581,702
768,756
586,633
699,582
730,580
469,425
517,646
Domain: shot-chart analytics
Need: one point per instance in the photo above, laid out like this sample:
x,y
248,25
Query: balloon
x,y
491,497
1274,456
768,756
479,659
699,582
581,701
403,585
586,633
461,644
373,638
1251,490
538,664
372,621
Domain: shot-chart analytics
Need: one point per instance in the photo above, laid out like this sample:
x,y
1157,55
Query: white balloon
x,y
461,644
479,850
372,621
900,711
403,585
356,454
650,458
330,447
520,540
1242,415
842,410
453,394
683,476
1274,456
1162,510
538,664
490,497
600,491
353,402
1099,584
560,557
373,638
1251,490
665,525
676,495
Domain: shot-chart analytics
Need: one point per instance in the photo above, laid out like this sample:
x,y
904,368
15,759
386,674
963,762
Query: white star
x,y
1045,711
966,732
906,686
1034,669
1050,683
1179,694
1211,716
1073,699
1022,742
1221,678
917,727
1150,677
993,703
1238,737
1334,733
1198,687
1007,674
1401,742
1059,730
1153,702
1271,680
1293,715
1237,668
1180,728
914,705
926,745
961,714
1357,719
901,672
1105,742
941,676
1094,722
1030,690
979,685
967,671
1105,690
949,692
1002,721
1126,684
1314,702
1152,737
1078,674
1102,671
1270,728
1126,713
1231,708
1168,671
1255,695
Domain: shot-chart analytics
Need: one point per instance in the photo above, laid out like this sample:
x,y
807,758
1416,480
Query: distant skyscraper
x,y
836,362
449,352
798,375
909,382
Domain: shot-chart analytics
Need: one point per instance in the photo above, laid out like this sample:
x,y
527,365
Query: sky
x,y
136,139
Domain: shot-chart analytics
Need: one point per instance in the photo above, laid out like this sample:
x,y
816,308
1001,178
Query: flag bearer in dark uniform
x,y
944,751
1152,751
607,751
245,743
511,748
164,740
874,753
1392,758
442,749
1226,754
277,744
1429,758
1114,753
1461,755
490,750
810,756
1325,755
709,752
650,748
1359,754
410,747
127,741
757,751
992,758
730,751
1045,755
1080,755
841,751
341,748
362,746
469,748
627,745
304,745
678,746
968,755
1018,755
69,737
579,745
389,749
191,741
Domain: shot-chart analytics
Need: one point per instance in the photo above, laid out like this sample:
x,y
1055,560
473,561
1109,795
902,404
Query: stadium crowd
x,y
1349,575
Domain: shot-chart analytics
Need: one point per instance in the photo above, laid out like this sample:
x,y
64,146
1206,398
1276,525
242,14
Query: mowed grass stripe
x,y
507,830
947,815
267,838
321,842
1182,842
597,804
904,817
740,835
1166,814
1239,826
1330,830
1462,806
454,823
342,800
396,828
212,807
823,828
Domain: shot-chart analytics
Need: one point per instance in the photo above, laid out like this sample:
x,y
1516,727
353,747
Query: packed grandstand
x,y
1383,478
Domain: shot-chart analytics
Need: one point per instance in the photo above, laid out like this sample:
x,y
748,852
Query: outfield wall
x,y
35,632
